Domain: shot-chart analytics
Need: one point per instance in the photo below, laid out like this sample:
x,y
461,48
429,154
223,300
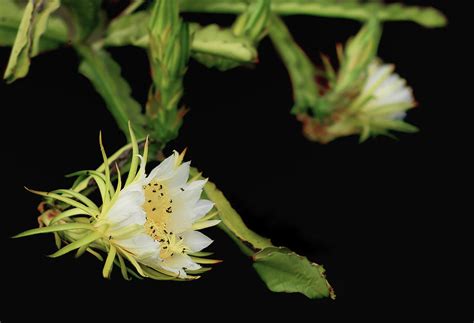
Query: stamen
x,y
158,212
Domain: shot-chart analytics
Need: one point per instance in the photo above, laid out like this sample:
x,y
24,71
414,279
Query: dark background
x,y
367,212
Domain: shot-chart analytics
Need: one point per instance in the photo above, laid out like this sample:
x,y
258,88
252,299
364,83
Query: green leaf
x,y
285,271
219,47
33,24
425,16
85,16
210,45
300,68
10,18
128,30
104,73
280,268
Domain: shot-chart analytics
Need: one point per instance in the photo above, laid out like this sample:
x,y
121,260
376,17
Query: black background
x,y
366,212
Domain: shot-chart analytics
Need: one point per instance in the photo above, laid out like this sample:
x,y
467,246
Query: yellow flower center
x,y
158,207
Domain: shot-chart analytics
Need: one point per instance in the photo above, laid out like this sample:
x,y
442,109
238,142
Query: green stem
x,y
300,68
245,250
428,17
104,73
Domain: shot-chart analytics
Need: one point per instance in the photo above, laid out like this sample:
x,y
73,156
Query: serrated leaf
x,y
285,271
425,16
220,48
210,45
104,73
128,30
280,268
33,24
10,18
85,15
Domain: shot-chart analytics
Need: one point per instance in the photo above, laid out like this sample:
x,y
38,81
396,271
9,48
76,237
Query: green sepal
x,y
55,228
86,240
360,51
67,214
109,262
205,261
67,200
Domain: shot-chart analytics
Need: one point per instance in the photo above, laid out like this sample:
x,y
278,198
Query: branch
x,y
427,17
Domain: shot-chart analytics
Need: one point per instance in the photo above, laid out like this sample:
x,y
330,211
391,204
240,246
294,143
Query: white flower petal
x,y
205,224
376,73
187,209
195,240
181,218
196,185
178,177
127,209
386,88
177,263
201,208
141,245
163,170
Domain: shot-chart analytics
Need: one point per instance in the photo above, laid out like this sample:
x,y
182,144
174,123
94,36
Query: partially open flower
x,y
151,221
364,97
380,106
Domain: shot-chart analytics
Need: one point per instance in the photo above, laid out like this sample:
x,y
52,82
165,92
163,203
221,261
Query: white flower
x,y
385,94
160,210
151,221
